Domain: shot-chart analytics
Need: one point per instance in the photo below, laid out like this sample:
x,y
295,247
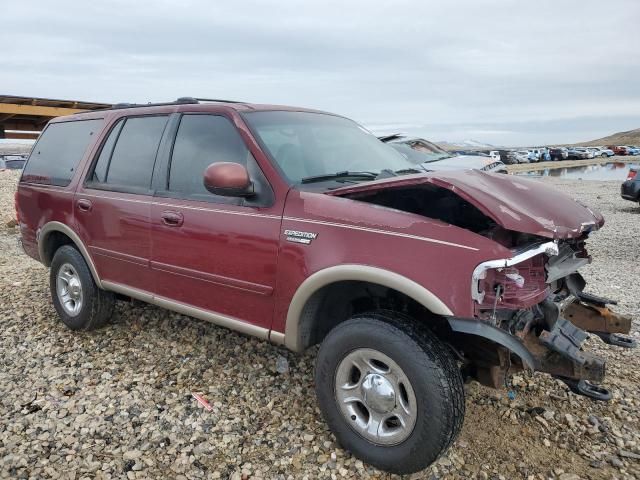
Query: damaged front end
x,y
533,306
529,310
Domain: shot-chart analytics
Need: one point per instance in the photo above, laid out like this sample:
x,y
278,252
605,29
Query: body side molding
x,y
354,272
216,318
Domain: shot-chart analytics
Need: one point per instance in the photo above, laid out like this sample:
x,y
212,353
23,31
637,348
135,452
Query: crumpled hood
x,y
514,203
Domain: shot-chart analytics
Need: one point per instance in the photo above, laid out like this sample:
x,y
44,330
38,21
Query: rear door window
x,y
128,155
56,155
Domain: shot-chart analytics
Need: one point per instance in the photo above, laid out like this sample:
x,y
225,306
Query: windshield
x,y
420,151
305,144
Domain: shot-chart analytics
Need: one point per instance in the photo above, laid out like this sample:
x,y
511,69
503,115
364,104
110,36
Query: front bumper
x,y
551,343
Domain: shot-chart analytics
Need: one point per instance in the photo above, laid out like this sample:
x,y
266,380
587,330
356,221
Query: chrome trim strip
x,y
142,295
51,188
212,278
122,257
549,248
61,227
187,207
216,318
383,232
321,278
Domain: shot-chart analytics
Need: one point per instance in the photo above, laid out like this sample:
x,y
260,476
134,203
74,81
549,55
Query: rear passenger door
x,y
112,207
215,253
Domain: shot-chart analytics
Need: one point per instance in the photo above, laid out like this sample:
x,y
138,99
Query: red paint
x,y
515,203
235,261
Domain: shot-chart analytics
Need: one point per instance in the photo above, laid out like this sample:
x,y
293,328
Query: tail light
x,y
632,174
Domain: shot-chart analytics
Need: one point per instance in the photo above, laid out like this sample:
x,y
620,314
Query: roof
x,y
24,117
186,104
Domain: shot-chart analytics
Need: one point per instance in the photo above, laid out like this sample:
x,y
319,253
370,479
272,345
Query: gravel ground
x,y
116,403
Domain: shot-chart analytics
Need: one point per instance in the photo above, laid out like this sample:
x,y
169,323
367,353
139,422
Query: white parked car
x,y
589,153
523,156
601,152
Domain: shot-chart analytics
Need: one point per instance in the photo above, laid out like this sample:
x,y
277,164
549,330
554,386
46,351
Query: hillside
x,y
631,137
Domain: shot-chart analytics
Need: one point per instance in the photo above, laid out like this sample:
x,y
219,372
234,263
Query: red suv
x,y
302,228
618,149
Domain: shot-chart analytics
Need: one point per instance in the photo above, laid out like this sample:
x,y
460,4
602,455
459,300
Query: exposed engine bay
x,y
531,309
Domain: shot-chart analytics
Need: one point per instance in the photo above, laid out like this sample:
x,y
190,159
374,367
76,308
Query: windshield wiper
x,y
404,171
340,175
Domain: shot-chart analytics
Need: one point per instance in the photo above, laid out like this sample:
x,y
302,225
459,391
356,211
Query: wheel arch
x,y
301,315
49,240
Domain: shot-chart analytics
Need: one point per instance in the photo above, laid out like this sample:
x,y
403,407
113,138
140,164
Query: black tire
x,y
431,370
97,305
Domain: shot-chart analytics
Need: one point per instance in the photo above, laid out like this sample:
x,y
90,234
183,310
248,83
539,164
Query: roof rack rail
x,y
179,101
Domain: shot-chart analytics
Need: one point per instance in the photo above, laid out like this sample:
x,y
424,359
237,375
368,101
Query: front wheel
x,y
391,392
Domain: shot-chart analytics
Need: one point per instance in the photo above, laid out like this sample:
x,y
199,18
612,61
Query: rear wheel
x,y
79,302
390,391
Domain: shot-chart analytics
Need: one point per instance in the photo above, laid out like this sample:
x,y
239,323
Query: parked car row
x,y
541,154
630,150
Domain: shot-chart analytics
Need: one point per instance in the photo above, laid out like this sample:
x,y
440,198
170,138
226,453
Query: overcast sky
x,y
502,72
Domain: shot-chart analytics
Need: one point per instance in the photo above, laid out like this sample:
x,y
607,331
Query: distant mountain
x,y
632,137
466,145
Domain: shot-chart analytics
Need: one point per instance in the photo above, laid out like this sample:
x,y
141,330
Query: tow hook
x,y
586,388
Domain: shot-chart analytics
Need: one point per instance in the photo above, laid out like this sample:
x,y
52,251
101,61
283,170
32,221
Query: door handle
x,y
172,219
84,205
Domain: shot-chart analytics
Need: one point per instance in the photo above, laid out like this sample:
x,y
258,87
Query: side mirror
x,y
228,179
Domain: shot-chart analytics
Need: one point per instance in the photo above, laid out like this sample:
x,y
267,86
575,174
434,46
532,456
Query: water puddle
x,y
608,171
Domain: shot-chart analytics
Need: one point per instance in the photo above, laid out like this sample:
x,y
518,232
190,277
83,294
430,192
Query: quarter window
x,y
202,140
59,150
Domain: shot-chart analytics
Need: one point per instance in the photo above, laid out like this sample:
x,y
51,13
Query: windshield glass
x,y
308,144
420,151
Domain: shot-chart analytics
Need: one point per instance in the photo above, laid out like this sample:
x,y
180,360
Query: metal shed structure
x,y
25,117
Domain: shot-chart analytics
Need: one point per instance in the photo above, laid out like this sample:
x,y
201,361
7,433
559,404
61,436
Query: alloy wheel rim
x,y
375,397
69,289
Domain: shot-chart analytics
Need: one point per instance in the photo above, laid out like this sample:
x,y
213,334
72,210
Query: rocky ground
x,y
116,403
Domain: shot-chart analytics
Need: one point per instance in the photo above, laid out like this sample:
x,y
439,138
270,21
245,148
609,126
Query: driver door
x,y
210,252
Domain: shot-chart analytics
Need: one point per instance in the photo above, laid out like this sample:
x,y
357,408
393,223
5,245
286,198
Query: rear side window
x,y
202,140
56,155
129,153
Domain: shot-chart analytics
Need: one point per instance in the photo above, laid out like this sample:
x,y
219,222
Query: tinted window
x,y
100,170
132,160
59,150
202,140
